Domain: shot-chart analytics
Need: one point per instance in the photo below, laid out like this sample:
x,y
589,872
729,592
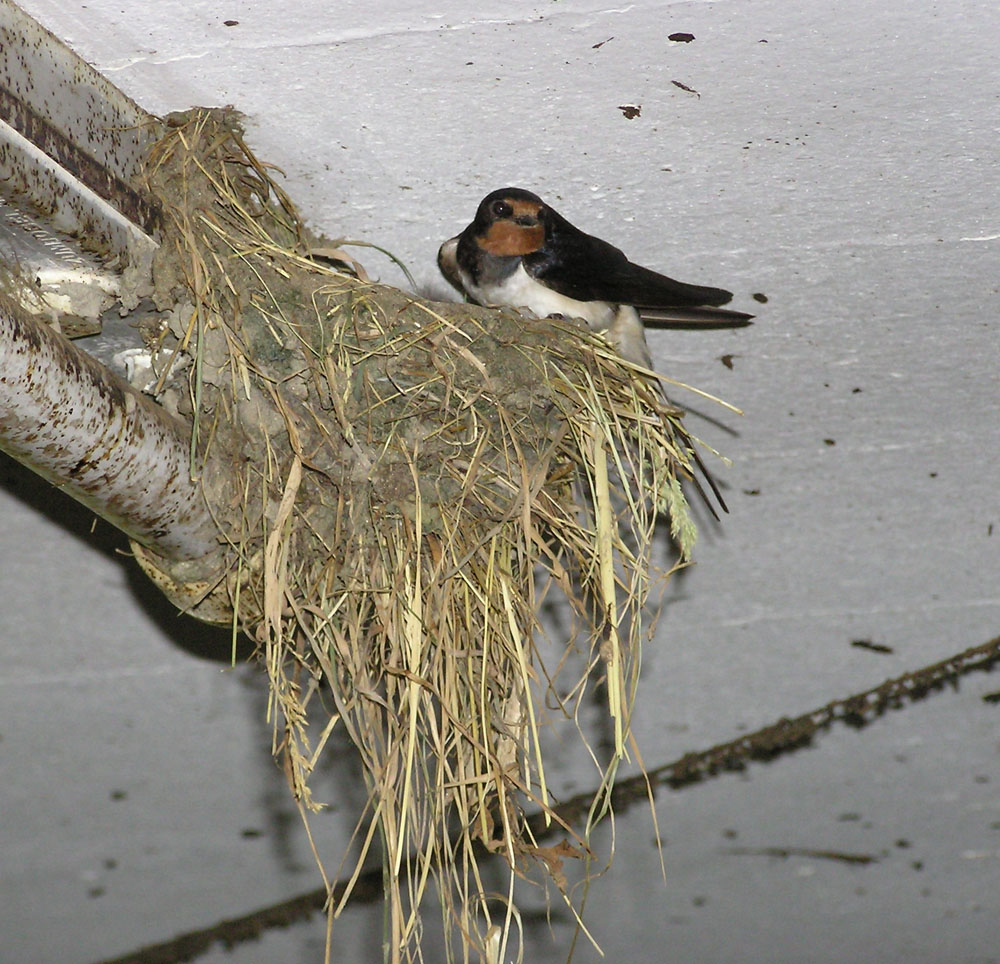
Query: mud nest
x,y
400,484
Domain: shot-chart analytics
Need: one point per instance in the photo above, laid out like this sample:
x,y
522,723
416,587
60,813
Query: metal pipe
x,y
88,432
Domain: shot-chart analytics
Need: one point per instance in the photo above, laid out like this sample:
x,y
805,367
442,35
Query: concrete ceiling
x,y
841,160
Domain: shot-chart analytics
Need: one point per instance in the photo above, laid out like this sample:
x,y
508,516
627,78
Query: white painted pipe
x,y
88,432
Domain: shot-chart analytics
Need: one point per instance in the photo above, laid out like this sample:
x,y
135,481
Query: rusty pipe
x,y
88,432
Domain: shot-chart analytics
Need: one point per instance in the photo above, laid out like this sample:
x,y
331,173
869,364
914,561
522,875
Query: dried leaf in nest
x,y
406,482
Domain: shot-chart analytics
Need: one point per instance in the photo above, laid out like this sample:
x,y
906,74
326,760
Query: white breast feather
x,y
520,290
622,324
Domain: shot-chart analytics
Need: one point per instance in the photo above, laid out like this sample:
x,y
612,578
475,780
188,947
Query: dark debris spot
x,y
871,647
683,86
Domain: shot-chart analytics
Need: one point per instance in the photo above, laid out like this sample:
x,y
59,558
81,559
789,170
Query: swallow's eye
x,y
501,209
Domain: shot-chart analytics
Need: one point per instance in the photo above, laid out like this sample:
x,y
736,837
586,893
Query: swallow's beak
x,y
526,221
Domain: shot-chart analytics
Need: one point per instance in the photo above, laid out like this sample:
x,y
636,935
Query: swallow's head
x,y
510,223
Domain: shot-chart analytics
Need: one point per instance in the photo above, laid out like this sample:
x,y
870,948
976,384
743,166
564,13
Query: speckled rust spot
x,y
508,240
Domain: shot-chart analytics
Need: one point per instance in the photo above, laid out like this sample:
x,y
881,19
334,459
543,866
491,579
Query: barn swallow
x,y
520,253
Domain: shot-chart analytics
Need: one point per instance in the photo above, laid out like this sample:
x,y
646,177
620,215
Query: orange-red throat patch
x,y
529,209
505,239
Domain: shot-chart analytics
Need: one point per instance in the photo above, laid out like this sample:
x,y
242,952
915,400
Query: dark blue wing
x,y
581,266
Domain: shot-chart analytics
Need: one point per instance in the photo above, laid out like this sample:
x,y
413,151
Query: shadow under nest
x,y
401,484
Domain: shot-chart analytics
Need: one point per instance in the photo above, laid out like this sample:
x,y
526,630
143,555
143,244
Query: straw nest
x,y
402,484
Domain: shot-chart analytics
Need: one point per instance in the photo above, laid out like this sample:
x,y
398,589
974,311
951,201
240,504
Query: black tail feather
x,y
712,485
696,317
